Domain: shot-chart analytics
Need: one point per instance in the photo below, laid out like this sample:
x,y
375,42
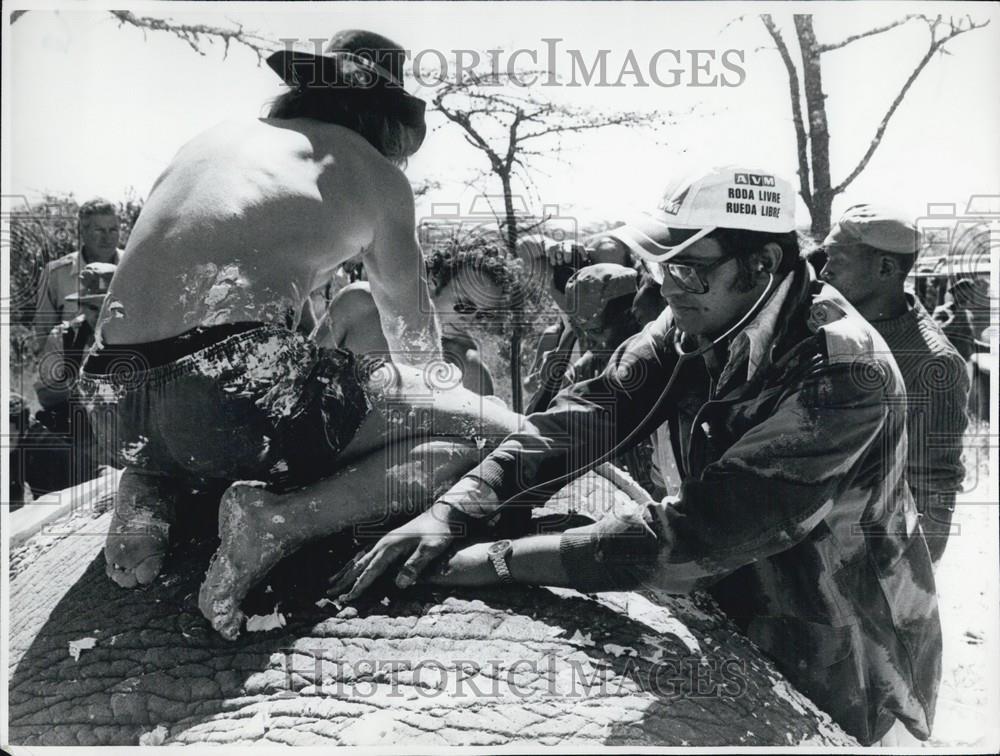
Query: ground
x,y
968,594
235,694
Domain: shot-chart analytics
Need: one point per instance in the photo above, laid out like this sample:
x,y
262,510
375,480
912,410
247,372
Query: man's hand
x,y
420,541
567,253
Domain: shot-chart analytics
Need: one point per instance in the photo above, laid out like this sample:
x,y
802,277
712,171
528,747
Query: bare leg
x,y
138,538
259,528
410,402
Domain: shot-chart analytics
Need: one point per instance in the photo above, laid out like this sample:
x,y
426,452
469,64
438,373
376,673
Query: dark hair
x,y
444,265
354,110
96,206
818,259
743,245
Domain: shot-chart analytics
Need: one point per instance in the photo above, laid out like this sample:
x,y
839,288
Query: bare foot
x,y
248,520
139,536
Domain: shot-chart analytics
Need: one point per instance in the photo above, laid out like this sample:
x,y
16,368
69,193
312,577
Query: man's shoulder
x,y
325,139
938,346
650,345
927,338
846,335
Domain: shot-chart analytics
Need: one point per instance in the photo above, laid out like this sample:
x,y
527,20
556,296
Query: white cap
x,y
750,199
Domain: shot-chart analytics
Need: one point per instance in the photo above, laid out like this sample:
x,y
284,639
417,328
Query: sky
x,y
94,108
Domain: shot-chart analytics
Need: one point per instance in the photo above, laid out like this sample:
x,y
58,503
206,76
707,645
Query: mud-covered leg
x,y
258,528
422,404
139,536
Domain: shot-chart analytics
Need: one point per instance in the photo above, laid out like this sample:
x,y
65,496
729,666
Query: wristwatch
x,y
498,553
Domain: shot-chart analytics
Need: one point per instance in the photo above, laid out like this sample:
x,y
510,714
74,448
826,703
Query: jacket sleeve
x,y
583,423
762,496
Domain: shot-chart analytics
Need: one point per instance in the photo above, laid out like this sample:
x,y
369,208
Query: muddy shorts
x,y
233,402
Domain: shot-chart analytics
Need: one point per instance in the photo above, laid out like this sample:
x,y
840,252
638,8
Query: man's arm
x,y
398,279
765,494
936,424
53,385
583,423
46,310
937,435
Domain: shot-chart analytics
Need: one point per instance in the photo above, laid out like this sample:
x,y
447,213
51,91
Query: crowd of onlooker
x,y
601,295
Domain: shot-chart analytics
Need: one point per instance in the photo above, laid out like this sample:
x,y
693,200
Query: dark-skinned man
x,y
870,251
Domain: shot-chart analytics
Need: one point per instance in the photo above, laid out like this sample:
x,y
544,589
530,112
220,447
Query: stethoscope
x,y
641,430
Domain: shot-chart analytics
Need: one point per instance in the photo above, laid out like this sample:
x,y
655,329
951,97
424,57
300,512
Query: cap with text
x,y
875,226
750,199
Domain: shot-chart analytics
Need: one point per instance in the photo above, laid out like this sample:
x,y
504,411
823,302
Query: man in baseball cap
x,y
726,221
694,207
793,509
870,251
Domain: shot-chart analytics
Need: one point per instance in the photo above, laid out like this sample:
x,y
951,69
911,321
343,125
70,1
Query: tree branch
x,y
194,33
935,45
801,136
870,33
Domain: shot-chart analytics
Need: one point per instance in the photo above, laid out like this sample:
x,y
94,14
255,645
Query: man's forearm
x,y
536,560
472,497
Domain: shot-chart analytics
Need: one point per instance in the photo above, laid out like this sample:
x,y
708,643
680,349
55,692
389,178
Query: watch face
x,y
499,547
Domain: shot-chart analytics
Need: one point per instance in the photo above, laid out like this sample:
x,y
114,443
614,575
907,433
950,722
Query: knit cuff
x,y
581,561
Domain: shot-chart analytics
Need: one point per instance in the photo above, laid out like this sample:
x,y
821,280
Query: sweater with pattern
x,y
937,390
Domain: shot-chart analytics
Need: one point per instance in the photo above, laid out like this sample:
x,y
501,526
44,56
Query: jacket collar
x,y
754,341
777,327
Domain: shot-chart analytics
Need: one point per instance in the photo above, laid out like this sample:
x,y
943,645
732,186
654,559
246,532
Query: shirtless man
x,y
249,218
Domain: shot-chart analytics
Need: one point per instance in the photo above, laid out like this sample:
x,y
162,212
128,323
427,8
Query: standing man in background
x,y
99,231
871,250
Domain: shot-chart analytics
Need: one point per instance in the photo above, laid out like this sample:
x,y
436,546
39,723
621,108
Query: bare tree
x,y
812,131
513,125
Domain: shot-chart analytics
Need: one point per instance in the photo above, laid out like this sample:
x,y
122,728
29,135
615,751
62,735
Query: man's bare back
x,y
251,216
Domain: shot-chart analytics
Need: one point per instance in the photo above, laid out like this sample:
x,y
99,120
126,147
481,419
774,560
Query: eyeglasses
x,y
465,307
691,278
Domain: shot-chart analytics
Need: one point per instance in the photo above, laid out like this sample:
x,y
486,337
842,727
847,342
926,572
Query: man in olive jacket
x,y
786,417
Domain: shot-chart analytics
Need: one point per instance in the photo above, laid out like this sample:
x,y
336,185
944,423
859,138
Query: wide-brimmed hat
x,y
95,279
751,199
355,61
